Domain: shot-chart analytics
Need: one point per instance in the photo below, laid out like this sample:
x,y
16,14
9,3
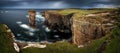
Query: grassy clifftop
x,y
6,42
107,44
79,12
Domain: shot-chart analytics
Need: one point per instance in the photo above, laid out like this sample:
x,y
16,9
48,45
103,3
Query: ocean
x,y
17,21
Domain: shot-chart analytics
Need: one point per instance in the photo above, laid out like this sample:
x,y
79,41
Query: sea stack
x,y
32,14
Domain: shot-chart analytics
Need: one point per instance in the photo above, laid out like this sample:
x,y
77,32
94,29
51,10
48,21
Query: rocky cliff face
x,y
92,26
58,22
84,28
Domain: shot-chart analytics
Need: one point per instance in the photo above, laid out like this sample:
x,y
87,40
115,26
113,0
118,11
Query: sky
x,y
58,4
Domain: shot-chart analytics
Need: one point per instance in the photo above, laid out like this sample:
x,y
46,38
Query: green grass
x,y
53,48
6,43
112,39
79,11
65,47
113,46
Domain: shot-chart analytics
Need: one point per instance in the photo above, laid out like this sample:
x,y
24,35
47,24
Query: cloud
x,y
104,0
105,6
47,4
35,5
59,4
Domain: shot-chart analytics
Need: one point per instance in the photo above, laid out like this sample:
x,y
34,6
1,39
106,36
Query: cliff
x,y
92,26
85,25
102,28
58,22
6,40
107,42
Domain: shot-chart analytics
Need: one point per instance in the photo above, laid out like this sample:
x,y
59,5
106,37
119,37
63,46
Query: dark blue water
x,y
11,17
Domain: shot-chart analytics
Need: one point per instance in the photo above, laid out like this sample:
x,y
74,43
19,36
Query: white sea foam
x,y
25,26
47,29
39,17
30,33
56,36
18,34
19,22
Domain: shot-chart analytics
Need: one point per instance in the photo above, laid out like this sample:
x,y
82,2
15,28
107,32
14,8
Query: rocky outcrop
x,y
11,38
58,22
92,26
84,28
35,44
32,14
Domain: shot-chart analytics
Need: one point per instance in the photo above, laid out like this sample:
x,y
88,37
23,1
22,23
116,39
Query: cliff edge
x,y
85,25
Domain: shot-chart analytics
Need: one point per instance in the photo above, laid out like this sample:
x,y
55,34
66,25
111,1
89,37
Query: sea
x,y
17,21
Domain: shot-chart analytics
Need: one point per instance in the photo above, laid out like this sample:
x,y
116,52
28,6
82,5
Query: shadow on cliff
x,y
59,24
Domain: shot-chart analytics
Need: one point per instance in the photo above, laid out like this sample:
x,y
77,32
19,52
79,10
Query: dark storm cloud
x,y
59,3
117,2
94,3
8,3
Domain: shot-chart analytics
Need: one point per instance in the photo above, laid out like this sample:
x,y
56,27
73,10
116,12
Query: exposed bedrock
x,y
85,28
92,27
58,22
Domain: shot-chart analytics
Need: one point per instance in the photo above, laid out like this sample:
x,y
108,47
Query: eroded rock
x,y
32,14
86,28
92,26
56,21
